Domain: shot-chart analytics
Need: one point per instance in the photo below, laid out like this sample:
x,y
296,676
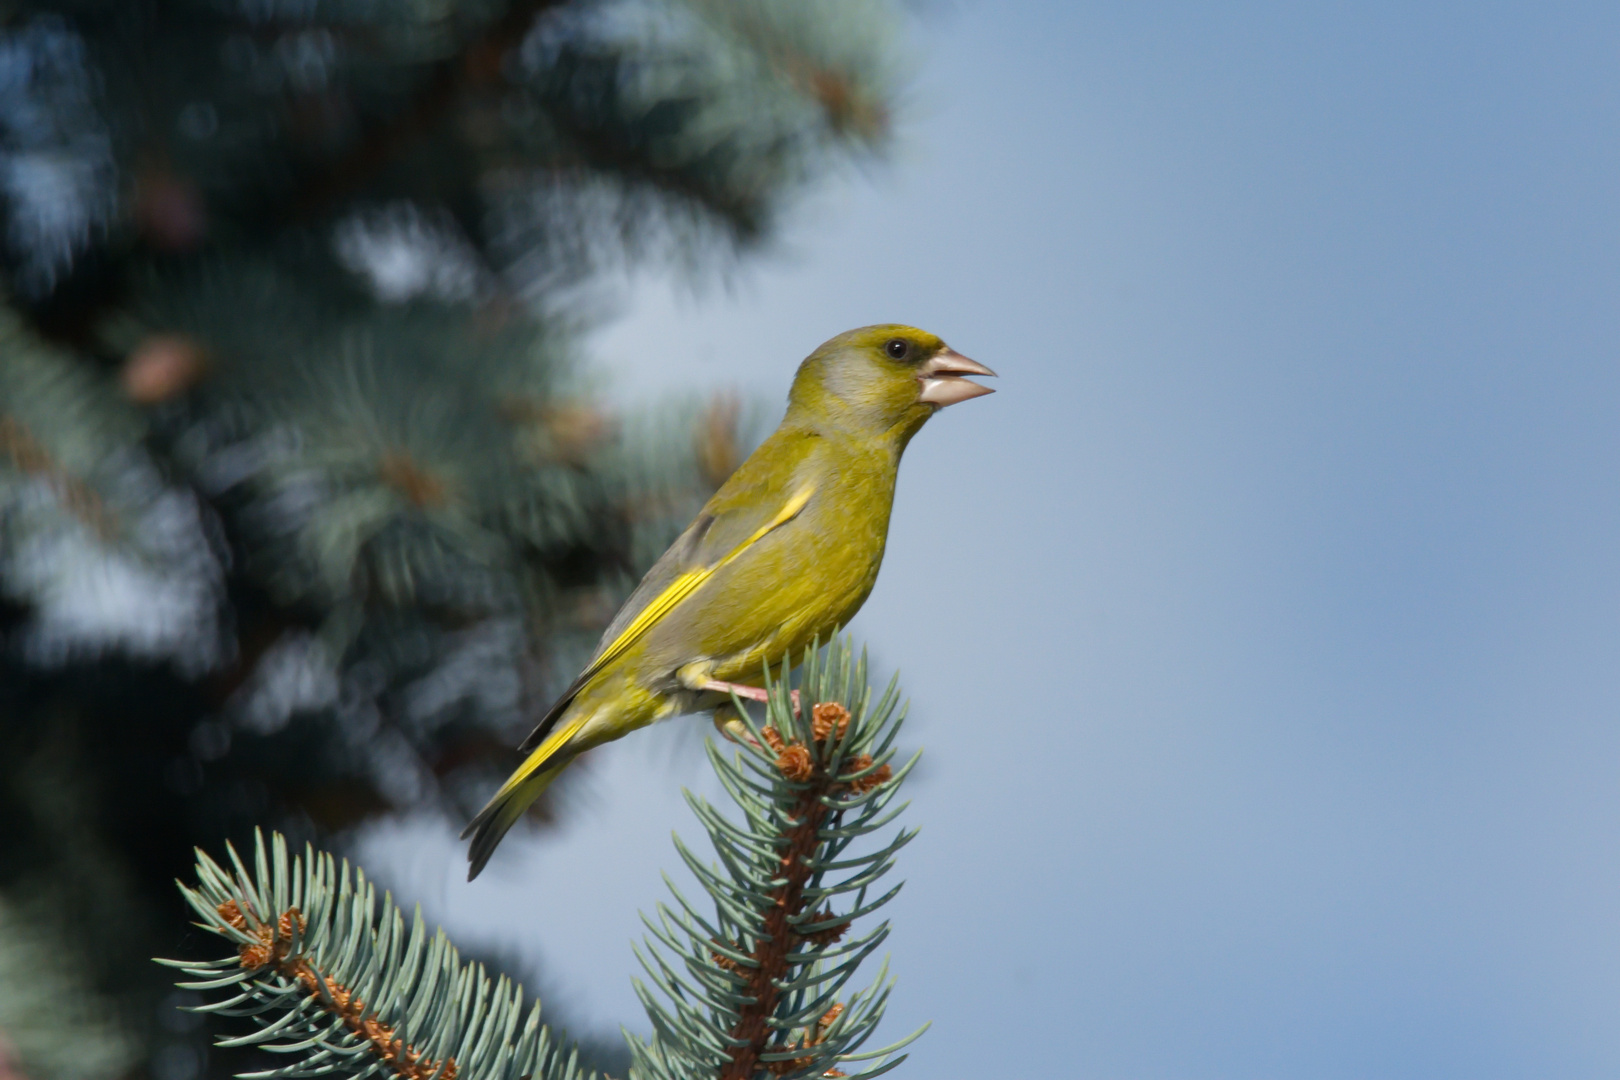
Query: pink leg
x,y
747,693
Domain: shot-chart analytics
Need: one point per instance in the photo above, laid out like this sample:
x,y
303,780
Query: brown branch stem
x,y
26,452
274,949
777,939
780,937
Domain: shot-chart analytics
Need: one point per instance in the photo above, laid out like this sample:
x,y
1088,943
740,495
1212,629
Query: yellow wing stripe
x,y
687,583
545,750
661,605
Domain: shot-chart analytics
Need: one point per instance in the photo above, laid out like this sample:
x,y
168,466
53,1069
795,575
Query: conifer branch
x,y
58,424
477,64
759,988
27,455
275,948
785,927
341,985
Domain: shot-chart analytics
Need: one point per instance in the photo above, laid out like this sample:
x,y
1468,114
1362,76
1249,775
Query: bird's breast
x,y
805,580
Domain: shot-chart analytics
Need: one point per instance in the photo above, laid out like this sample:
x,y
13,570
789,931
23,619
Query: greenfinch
x,y
785,552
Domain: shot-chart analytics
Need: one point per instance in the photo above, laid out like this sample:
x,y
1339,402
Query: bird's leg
x,y
747,693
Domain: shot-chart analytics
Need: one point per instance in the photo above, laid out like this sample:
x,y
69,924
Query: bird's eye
x,y
897,348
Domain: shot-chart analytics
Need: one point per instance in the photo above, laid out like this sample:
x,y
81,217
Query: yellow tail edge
x,y
516,795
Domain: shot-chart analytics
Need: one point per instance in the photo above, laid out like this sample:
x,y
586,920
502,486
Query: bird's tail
x,y
520,790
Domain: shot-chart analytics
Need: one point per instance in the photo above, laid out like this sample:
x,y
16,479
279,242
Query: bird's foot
x,y
730,725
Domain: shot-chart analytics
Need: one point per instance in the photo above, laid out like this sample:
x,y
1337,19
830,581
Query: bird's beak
x,y
942,379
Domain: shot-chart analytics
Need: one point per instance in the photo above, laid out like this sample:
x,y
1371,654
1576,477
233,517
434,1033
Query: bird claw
x,y
732,728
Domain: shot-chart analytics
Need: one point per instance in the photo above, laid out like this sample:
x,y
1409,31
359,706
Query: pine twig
x,y
760,986
334,980
275,948
29,456
795,761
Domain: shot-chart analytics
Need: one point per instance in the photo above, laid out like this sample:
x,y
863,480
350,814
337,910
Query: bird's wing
x,y
719,535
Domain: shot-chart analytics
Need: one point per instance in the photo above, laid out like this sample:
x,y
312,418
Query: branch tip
x,y
273,949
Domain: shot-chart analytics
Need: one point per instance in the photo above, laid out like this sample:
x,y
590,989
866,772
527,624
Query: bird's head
x,y
883,380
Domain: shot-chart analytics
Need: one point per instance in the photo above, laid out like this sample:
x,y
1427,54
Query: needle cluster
x,y
756,981
331,975
753,983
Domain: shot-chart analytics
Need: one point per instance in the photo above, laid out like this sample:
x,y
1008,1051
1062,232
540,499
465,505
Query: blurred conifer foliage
x,y
306,503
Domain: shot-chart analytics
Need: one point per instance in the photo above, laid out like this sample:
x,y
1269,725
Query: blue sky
x,y
1262,631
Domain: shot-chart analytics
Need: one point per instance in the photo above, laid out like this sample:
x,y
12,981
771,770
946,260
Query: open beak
x,y
943,382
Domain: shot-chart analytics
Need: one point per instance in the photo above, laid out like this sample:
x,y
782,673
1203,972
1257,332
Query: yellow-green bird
x,y
786,551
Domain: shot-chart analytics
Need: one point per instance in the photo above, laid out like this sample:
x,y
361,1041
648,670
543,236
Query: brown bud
x,y
829,934
828,718
162,367
794,763
232,913
576,431
254,956
827,1020
726,963
419,486
876,777
848,110
284,925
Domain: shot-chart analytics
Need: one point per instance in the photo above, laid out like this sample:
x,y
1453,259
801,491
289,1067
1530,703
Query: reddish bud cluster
x,y
272,947
875,778
162,367
420,487
716,441
829,725
232,913
812,1038
828,721
828,1020
828,935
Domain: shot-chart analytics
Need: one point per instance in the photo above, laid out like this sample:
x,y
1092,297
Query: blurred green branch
x,y
309,495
